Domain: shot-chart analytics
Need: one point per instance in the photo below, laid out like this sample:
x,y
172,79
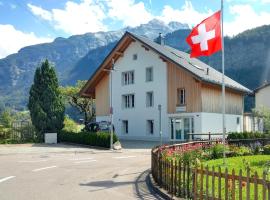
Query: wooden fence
x,y
183,180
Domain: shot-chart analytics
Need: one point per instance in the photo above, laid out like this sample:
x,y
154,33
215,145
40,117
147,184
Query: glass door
x,y
181,128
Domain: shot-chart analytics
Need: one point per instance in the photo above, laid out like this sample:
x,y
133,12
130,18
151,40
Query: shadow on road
x,y
141,186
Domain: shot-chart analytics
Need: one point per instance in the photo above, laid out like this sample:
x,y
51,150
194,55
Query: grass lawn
x,y
257,163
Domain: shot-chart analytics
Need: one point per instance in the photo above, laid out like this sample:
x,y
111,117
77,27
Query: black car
x,y
97,126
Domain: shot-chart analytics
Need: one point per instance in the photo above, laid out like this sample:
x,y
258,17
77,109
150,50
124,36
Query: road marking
x,y
85,161
7,178
31,161
123,157
44,168
78,159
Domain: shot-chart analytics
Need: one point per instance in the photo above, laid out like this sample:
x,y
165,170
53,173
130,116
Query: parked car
x,y
97,126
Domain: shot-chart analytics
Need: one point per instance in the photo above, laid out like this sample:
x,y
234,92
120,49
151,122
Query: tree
x,y
46,104
84,105
6,119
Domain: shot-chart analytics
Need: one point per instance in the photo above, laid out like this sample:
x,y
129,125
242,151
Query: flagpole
x,y
223,86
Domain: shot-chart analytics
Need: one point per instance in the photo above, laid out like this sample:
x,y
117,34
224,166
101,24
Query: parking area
x,y
71,172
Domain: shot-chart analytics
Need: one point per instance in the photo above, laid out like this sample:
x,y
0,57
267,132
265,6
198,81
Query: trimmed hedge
x,y
100,139
247,135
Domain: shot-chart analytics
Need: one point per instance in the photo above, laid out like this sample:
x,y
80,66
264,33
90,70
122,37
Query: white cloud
x,y
11,40
187,14
36,10
75,18
13,6
245,18
128,12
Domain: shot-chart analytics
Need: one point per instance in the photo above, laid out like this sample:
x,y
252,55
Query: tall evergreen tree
x,y
45,101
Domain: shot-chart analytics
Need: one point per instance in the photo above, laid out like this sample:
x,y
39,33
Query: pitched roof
x,y
261,87
181,59
193,65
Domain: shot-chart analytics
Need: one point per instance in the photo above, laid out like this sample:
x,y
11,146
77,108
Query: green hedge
x,y
247,135
101,139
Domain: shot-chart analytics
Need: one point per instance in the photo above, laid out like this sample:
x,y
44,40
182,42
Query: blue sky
x,y
26,22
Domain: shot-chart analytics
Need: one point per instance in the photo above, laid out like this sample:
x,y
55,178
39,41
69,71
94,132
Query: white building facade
x,y
141,82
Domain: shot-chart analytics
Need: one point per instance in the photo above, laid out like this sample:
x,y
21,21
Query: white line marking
x,y
85,161
7,178
31,161
78,159
44,168
123,157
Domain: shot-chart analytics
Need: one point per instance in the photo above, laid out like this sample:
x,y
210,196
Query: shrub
x,y
240,151
100,139
71,126
247,135
216,151
266,149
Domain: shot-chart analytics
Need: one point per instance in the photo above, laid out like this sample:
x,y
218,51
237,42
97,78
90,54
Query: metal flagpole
x,y
111,106
223,86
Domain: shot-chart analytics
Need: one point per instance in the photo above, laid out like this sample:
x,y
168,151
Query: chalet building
x,y
148,74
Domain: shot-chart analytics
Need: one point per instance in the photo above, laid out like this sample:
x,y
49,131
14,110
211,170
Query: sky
x,y
28,22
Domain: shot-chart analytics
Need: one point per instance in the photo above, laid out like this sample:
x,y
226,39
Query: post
x,y
111,106
160,131
223,86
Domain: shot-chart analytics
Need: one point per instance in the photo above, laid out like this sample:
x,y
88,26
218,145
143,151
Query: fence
x,y
186,181
20,131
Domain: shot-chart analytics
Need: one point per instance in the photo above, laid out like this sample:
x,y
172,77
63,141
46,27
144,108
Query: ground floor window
x,y
125,126
150,126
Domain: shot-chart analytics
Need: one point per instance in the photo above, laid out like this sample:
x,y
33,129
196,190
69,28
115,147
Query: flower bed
x,y
182,170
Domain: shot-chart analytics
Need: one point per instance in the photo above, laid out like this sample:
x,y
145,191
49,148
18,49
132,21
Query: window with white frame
x,y
181,96
125,126
149,99
150,126
128,78
128,100
149,74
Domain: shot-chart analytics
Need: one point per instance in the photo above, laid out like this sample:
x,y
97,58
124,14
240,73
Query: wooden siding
x,y
180,78
103,97
212,100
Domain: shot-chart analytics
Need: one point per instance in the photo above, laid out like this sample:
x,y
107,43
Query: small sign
x,y
181,109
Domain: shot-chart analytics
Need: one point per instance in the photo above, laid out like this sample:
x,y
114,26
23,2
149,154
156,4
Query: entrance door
x,y
181,128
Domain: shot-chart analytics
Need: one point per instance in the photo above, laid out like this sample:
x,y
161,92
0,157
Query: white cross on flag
x,y
205,38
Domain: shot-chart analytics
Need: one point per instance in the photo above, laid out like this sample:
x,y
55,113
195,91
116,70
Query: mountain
x,y
247,57
17,70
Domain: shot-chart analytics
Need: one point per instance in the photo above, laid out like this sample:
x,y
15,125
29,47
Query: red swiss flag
x,y
205,38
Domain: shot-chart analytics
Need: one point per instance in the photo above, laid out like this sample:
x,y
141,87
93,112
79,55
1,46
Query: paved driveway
x,y
66,172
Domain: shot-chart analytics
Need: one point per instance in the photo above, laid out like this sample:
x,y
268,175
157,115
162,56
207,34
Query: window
x,y
149,99
135,56
125,126
238,120
128,101
149,74
128,78
150,126
181,96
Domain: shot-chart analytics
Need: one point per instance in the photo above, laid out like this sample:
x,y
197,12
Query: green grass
x,y
256,163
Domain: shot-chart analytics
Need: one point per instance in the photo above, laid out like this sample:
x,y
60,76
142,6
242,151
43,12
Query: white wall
x,y
212,122
262,97
138,116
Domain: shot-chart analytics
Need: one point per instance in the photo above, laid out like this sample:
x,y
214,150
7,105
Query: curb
x,y
163,193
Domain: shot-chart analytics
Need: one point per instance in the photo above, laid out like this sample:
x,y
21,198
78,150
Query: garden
x,y
197,170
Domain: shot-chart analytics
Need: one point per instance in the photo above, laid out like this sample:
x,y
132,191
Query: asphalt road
x,y
66,172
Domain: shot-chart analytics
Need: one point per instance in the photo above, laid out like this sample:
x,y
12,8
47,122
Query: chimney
x,y
160,39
